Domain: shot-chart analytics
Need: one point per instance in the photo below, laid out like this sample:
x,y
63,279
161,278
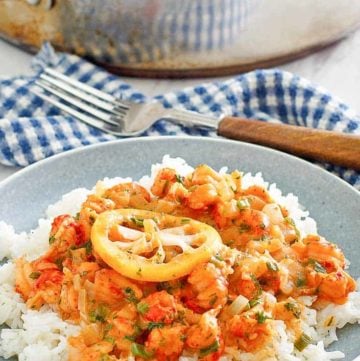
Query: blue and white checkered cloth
x,y
31,129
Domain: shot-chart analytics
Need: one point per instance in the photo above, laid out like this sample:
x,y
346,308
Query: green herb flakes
x,y
243,203
152,325
210,349
300,282
317,266
272,266
137,221
142,308
99,314
179,179
130,295
261,317
110,339
293,308
139,350
88,247
302,342
243,228
34,275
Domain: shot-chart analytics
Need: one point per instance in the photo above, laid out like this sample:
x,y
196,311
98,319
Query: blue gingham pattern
x,y
31,130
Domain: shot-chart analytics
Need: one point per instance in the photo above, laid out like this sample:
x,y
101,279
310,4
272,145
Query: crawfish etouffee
x,y
195,265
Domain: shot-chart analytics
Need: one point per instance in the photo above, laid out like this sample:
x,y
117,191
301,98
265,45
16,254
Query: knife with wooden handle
x,y
321,145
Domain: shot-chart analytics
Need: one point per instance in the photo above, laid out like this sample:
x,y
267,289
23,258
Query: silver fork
x,y
110,114
128,119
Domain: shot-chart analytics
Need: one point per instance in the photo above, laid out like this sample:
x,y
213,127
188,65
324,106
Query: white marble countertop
x,y
335,68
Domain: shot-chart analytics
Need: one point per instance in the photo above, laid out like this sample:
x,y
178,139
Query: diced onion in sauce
x,y
238,305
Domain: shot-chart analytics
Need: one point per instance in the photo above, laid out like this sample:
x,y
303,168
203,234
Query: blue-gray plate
x,y
332,203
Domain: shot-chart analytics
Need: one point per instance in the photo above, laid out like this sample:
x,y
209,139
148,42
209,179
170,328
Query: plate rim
x,y
89,147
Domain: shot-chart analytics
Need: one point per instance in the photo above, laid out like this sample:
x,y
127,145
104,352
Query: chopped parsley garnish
x,y
210,349
166,286
272,266
34,275
300,282
254,302
110,339
243,203
88,247
108,327
293,308
317,266
302,342
59,263
137,221
142,307
139,350
219,258
92,219
261,317
135,335
213,300
99,314
257,284
329,321
185,220
51,239
153,325
179,179
130,295
244,228
290,221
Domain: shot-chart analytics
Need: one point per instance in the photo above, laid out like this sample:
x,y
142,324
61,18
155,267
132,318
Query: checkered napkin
x,y
31,129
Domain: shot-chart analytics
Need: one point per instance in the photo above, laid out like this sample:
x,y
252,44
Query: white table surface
x,y
336,68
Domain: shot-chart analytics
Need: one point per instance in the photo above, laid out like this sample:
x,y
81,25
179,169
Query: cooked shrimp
x,y
242,226
128,195
207,286
167,343
80,351
259,192
159,307
248,331
204,333
111,288
328,254
23,281
163,181
98,204
65,233
202,196
203,174
336,286
123,327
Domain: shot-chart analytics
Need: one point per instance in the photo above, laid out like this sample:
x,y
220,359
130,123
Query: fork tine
x,y
88,89
108,106
80,105
96,123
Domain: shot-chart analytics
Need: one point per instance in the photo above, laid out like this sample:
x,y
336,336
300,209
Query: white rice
x,y
42,335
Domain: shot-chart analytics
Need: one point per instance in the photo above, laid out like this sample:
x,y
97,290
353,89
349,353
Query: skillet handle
x,y
315,144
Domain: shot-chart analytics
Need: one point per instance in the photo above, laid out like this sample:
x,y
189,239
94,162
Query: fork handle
x,y
320,145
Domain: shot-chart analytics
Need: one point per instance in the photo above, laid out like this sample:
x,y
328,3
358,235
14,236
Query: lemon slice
x,y
138,243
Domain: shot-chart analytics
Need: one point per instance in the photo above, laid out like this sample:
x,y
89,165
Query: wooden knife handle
x,y
321,145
